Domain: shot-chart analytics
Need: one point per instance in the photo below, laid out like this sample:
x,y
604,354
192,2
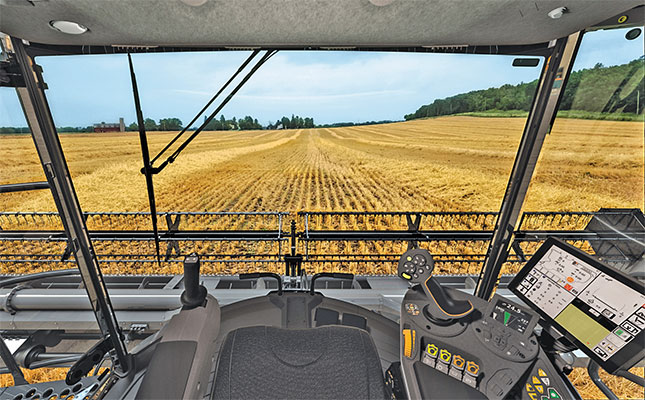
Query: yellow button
x,y
529,388
541,372
458,361
539,388
535,380
445,355
432,350
533,396
406,275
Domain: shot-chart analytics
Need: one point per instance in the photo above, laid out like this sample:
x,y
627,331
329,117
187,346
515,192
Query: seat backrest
x,y
330,362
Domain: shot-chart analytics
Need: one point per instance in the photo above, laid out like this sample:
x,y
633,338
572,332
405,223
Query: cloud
x,y
324,97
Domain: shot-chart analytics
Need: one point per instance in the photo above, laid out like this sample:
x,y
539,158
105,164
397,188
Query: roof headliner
x,y
298,23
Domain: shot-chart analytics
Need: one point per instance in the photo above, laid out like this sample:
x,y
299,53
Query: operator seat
x,y
330,362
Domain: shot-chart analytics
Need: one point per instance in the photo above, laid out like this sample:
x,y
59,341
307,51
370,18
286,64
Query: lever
x,y
416,266
194,294
89,360
257,275
335,275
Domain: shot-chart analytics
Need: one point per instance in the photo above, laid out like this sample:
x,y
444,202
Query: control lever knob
x,y
416,266
194,294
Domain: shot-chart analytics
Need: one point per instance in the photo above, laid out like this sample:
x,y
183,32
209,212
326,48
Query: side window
x,y
593,158
590,173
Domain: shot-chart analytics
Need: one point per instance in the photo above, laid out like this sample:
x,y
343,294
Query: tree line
x,y
247,123
615,89
174,124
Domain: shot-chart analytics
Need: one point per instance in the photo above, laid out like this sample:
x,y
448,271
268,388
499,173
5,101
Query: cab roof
x,y
303,23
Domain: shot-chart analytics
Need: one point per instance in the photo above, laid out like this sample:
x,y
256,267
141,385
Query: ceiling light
x,y
68,27
557,12
194,3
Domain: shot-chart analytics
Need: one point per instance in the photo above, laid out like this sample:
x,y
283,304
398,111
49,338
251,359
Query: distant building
x,y
110,127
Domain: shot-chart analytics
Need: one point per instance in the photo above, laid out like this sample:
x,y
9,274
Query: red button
x,y
568,287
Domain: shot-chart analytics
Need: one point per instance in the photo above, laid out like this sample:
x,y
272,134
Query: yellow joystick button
x,y
432,350
445,356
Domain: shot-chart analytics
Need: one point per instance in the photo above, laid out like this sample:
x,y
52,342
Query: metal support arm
x,y
38,114
545,105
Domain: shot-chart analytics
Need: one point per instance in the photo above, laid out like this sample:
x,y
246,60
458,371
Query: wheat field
x,y
450,163
444,164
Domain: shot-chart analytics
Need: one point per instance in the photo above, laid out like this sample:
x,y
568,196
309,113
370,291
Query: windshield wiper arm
x,y
173,156
239,70
145,153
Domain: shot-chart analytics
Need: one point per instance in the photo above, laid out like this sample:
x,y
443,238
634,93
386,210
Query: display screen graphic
x,y
511,316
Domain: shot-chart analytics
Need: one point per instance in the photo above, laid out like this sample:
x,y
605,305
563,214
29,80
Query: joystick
x,y
194,294
416,266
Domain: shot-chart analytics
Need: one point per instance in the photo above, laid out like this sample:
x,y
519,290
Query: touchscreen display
x,y
601,312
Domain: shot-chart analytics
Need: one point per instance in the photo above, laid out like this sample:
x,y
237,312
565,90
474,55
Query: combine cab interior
x,y
576,299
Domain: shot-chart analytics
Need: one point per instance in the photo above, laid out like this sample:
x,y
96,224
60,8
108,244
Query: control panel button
x,y
442,367
533,396
445,356
529,388
506,379
455,373
458,362
469,380
496,390
432,350
513,351
405,275
429,361
499,342
472,368
535,380
541,372
539,388
553,394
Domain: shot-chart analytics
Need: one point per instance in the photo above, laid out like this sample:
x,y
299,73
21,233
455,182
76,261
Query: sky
x,y
328,86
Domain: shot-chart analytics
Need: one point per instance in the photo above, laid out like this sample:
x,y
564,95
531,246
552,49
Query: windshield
x,y
356,144
311,132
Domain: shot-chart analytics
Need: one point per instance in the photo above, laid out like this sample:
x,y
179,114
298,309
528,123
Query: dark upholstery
x,y
330,362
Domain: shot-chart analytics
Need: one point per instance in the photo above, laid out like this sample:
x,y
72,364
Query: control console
x,y
455,345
